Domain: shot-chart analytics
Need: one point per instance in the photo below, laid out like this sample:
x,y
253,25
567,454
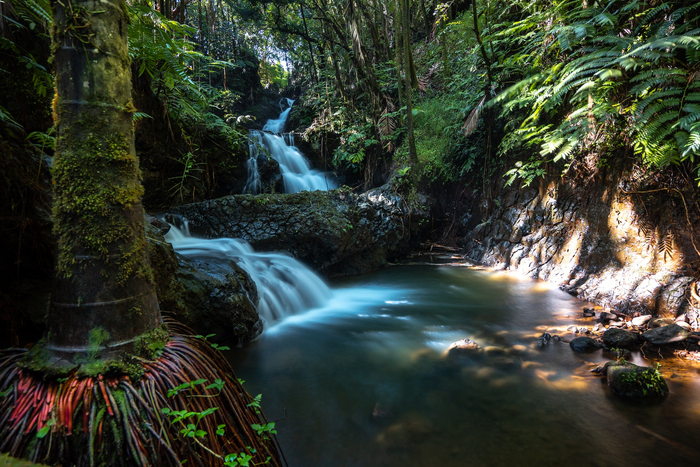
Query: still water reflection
x,y
364,381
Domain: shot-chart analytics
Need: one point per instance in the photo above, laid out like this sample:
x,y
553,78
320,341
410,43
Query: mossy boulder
x,y
635,382
335,232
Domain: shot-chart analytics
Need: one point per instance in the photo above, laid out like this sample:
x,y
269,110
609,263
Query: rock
x,y
641,320
659,322
556,337
618,353
617,338
632,381
210,297
683,318
463,347
585,344
684,325
335,232
665,334
606,316
588,312
543,340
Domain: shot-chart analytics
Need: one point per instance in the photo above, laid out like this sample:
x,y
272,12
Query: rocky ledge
x,y
617,240
335,232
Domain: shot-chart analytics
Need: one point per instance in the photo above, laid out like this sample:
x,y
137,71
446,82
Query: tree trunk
x,y
410,72
103,298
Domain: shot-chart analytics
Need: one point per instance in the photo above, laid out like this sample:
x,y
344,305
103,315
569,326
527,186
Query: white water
x,y
296,172
285,286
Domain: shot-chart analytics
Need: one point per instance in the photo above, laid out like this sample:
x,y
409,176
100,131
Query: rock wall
x,y
336,232
620,240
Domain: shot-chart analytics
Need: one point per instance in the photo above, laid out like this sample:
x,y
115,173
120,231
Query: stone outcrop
x,y
212,296
614,240
335,232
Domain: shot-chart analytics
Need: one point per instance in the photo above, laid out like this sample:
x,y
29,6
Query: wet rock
x,y
585,344
618,338
463,347
659,322
211,297
335,232
606,316
641,320
588,313
632,381
543,340
684,325
665,334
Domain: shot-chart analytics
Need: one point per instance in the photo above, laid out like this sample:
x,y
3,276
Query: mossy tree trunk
x,y
103,300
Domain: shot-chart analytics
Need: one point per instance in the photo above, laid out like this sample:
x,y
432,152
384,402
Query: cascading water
x,y
285,286
253,184
296,172
277,125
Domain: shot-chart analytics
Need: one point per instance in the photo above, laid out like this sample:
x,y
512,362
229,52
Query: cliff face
x,y
619,239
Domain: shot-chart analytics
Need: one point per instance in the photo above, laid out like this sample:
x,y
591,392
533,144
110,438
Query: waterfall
x,y
277,125
296,172
253,185
285,286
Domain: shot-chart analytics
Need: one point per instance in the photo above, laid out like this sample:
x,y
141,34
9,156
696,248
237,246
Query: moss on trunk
x,y
104,284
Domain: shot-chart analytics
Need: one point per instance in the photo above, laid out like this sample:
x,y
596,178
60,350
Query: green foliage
x,y
600,73
648,381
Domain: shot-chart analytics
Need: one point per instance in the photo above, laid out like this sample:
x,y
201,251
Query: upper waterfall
x,y
295,169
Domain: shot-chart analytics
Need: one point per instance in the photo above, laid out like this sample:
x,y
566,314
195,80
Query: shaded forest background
x,y
451,98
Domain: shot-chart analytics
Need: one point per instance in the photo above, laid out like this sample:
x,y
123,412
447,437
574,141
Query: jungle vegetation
x,y
454,85
436,93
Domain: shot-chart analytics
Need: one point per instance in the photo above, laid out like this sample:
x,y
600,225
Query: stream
x,y
364,380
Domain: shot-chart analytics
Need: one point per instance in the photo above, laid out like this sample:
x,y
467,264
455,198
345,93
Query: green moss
x,y
91,363
96,178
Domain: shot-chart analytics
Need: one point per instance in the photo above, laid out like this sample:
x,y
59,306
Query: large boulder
x,y
335,232
666,334
211,297
620,339
630,380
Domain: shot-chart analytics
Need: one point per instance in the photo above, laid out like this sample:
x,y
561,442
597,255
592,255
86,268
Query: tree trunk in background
x,y
413,157
103,298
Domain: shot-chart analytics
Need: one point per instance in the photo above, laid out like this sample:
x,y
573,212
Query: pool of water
x,y
365,380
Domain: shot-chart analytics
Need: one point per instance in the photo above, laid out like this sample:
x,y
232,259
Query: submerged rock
x,y
666,334
630,380
543,340
585,344
618,338
463,347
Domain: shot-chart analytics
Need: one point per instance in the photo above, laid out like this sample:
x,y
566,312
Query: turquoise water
x,y
365,380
